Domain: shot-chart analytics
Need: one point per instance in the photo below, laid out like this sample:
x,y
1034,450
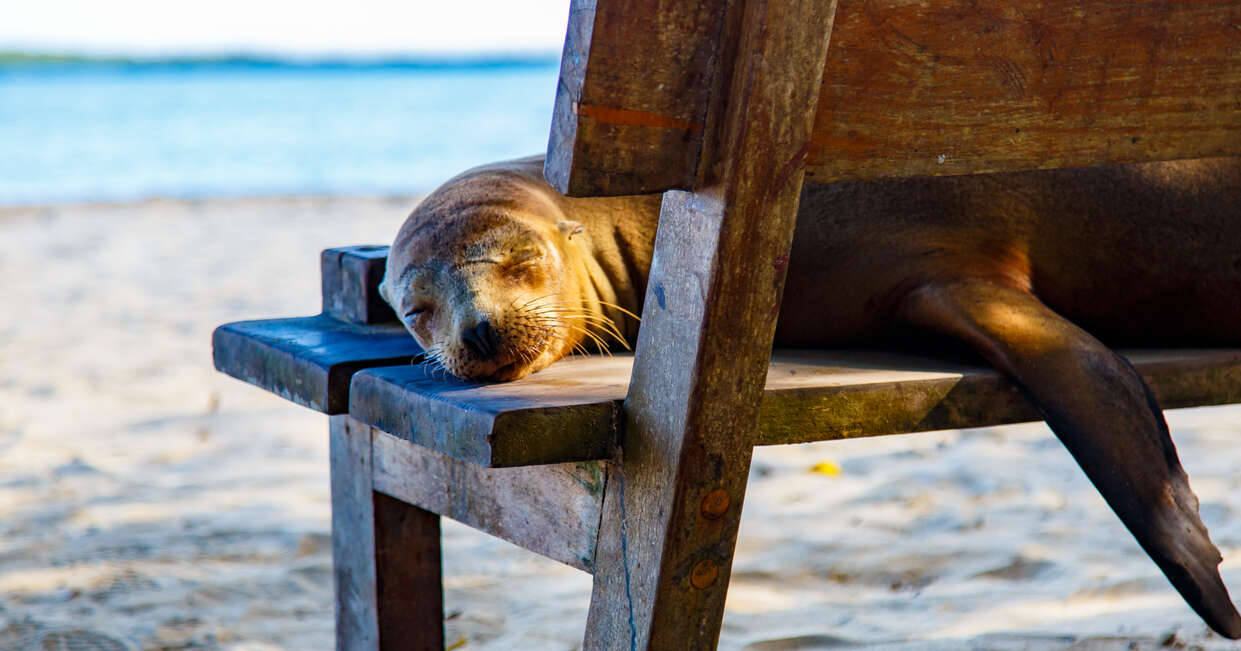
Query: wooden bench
x,y
634,468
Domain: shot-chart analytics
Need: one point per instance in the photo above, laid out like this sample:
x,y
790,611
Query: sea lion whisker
x,y
583,313
606,326
435,362
593,318
527,304
603,346
620,309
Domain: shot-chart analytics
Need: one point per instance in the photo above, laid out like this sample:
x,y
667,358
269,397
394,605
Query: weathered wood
x,y
632,98
960,86
350,278
875,393
308,360
912,88
353,537
496,425
810,396
409,576
385,555
552,510
670,525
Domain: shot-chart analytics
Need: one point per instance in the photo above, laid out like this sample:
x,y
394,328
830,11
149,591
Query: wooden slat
x,y
495,425
350,280
960,86
308,360
810,396
631,102
549,509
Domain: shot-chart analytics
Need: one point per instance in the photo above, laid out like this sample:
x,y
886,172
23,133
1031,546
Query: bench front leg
x,y
385,556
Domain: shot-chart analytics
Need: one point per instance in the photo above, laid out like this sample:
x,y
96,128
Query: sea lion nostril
x,y
489,335
482,340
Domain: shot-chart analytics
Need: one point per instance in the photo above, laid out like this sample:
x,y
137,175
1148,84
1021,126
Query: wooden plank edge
x,y
300,380
801,415
490,439
552,510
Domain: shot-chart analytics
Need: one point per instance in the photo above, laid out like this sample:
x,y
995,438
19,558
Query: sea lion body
x,y
1136,254
498,275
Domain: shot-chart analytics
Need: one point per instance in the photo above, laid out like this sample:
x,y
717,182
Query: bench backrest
x,y
909,88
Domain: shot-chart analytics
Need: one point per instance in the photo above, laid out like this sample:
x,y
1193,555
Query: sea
x,y
120,130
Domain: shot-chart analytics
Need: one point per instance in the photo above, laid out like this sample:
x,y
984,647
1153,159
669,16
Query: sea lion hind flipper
x,y
1105,415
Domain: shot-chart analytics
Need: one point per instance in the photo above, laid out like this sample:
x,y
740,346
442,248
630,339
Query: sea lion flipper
x,y
1105,415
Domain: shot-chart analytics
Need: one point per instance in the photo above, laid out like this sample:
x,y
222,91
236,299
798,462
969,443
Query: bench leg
x,y
649,591
385,554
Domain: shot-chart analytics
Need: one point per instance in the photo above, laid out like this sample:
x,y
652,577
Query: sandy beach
x,y
149,502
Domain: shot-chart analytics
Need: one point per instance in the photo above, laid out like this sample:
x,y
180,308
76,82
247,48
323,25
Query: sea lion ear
x,y
569,228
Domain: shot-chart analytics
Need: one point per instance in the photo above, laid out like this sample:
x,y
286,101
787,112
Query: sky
x,y
304,27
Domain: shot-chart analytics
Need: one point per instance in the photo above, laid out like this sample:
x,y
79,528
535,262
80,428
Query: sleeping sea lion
x,y
497,275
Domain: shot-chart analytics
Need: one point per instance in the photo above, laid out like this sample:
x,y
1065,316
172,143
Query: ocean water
x,y
107,132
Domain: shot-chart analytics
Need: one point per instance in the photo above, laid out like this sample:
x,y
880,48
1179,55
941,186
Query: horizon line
x,y
453,59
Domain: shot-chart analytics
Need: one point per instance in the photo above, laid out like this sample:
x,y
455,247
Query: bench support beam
x,y
671,513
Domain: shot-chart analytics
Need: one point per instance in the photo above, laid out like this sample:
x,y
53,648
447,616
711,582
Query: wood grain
x,y
409,576
386,564
353,537
308,360
632,98
810,395
670,523
960,86
350,277
494,425
551,509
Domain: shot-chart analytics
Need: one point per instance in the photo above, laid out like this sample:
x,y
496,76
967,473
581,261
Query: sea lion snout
x,y
481,340
503,345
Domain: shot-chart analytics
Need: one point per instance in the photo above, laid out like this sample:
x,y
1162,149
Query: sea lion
x,y
497,275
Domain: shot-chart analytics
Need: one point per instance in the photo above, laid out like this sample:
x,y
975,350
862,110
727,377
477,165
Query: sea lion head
x,y
485,275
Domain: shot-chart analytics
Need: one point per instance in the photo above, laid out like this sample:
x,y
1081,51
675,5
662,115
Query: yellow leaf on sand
x,y
826,468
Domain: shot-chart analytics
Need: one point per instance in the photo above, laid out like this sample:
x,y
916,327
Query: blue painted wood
x,y
309,360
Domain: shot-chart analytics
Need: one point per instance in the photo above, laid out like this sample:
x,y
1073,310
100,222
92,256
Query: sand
x,y
147,501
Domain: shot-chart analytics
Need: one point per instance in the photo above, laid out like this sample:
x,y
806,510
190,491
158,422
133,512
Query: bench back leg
x,y
670,515
385,555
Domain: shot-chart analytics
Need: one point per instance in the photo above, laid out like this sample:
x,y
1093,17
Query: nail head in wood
x,y
704,574
715,504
